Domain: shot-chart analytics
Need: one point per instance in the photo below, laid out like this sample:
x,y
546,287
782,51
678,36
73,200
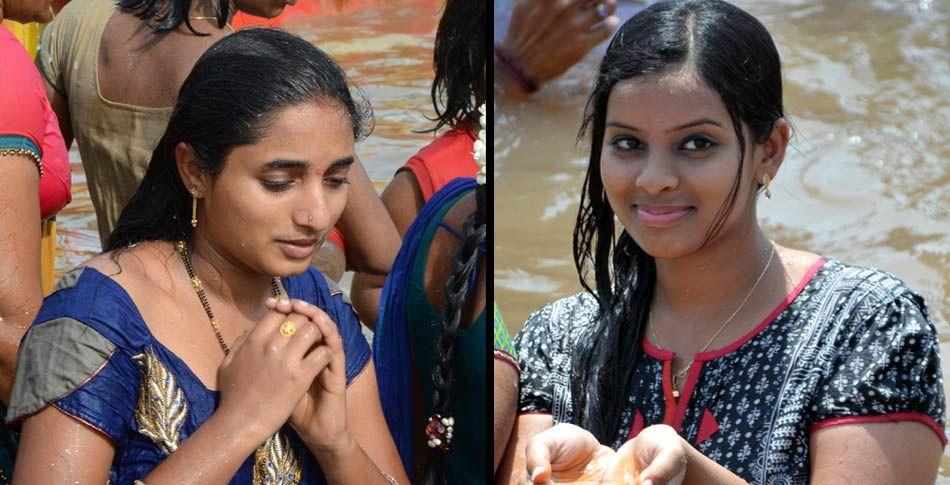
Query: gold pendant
x,y
276,463
676,394
161,410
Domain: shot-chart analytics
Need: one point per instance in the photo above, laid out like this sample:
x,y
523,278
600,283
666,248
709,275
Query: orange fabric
x,y
337,237
48,256
305,9
445,159
435,165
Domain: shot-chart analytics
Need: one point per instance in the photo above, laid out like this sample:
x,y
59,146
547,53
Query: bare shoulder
x,y
139,269
797,262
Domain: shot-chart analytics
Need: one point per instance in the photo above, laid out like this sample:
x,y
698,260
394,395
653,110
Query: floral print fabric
x,y
849,344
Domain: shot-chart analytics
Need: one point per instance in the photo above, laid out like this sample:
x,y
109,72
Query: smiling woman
x,y
703,351
183,334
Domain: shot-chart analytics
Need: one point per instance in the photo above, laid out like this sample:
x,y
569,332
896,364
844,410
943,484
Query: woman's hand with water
x,y
659,452
320,416
266,373
567,453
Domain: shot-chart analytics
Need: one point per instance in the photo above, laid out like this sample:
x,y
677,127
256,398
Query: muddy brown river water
x,y
865,180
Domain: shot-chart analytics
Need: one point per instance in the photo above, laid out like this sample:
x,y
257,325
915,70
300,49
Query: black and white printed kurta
x,y
848,345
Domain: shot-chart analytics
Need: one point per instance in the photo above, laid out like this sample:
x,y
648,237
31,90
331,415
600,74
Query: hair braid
x,y
464,262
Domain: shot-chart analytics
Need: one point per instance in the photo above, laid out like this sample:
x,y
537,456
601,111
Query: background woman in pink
x,y
33,161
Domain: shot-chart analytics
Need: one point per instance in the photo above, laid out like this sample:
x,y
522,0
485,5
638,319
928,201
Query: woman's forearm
x,y
365,292
701,470
21,292
11,332
213,454
348,463
371,238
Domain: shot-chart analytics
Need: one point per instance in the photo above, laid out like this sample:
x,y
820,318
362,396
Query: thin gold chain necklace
x,y
681,374
199,289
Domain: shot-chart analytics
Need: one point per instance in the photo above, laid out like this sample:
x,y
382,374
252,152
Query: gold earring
x,y
765,182
194,207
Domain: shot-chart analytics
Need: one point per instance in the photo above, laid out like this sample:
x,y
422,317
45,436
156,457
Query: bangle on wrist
x,y
527,83
389,478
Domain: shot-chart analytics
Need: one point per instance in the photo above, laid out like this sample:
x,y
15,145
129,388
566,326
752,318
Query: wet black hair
x,y
169,14
734,55
457,290
459,61
228,100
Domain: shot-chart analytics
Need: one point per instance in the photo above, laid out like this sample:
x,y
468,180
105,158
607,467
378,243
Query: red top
x,y
27,121
438,163
448,157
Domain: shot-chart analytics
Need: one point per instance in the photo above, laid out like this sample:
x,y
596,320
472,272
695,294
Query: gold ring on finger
x,y
288,328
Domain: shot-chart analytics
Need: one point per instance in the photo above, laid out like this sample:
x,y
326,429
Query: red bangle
x,y
527,83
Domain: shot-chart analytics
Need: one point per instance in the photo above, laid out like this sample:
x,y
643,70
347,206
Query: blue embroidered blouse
x,y
90,354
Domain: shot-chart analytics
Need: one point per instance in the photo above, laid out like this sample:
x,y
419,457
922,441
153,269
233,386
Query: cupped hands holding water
x,y
567,453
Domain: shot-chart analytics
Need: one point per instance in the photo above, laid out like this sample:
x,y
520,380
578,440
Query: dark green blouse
x,y
467,461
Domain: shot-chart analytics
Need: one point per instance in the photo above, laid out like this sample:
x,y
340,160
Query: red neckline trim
x,y
669,402
884,418
683,402
664,354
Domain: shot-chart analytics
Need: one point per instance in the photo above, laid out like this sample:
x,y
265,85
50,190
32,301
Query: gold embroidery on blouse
x,y
161,409
276,463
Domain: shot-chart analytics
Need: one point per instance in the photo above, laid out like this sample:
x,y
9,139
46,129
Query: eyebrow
x,y
280,164
703,121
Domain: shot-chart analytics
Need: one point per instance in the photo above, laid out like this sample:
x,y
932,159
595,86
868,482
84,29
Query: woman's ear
x,y
191,175
773,150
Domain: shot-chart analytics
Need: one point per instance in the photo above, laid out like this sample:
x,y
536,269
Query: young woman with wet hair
x,y
703,349
178,356
113,72
458,89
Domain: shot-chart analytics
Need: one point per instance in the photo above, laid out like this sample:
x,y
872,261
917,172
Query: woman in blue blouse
x,y
177,356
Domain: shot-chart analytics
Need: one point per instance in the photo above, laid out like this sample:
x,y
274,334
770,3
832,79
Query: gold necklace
x,y
199,289
681,374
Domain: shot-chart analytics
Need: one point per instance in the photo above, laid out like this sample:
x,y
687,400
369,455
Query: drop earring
x,y
765,181
194,207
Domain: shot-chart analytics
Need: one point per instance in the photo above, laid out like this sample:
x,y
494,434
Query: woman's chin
x,y
666,246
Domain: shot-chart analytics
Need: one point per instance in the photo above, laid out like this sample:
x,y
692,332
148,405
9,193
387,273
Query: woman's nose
x,y
658,175
313,212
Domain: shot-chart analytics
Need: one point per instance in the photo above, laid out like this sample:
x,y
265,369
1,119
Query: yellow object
x,y
194,207
275,461
162,406
48,256
29,34
766,180
288,329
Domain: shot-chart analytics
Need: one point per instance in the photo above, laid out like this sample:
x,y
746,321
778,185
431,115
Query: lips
x,y
298,248
662,216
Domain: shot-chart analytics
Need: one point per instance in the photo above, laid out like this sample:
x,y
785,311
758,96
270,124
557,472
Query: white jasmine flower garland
x,y
479,152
